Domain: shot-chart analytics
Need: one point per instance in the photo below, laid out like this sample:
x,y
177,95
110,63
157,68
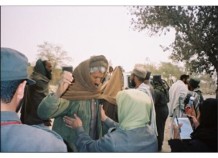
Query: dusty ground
x,y
166,147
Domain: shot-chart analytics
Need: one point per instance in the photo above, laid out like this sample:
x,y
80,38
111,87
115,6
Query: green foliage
x,y
196,41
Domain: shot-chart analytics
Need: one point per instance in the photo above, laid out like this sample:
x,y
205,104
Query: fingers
x,y
64,83
72,122
67,77
101,107
68,121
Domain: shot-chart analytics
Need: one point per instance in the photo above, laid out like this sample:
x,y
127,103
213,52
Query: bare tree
x,y
54,53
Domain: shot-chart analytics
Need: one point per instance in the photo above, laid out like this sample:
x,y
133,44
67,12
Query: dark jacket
x,y
34,95
203,140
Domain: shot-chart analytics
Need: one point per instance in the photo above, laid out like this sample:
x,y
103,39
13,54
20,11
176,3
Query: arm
x,y
52,105
84,142
106,120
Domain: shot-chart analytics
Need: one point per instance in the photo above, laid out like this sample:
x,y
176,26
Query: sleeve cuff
x,y
79,130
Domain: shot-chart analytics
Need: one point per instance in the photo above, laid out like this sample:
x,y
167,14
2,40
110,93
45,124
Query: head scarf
x,y
39,67
39,72
134,108
83,88
113,86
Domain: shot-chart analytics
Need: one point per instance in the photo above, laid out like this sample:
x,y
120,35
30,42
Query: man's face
x,y
186,80
132,80
48,68
96,77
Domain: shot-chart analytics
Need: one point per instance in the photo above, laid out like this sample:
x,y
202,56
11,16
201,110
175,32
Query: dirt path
x,y
166,147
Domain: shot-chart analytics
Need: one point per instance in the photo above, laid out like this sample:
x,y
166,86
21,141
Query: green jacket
x,y
50,107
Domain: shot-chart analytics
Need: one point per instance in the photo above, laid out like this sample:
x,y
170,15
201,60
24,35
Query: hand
x,y
194,120
103,115
66,80
190,111
71,122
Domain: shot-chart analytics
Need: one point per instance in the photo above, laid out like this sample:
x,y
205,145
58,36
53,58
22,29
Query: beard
x,y
132,83
48,74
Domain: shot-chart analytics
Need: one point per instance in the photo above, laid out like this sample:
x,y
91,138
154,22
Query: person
x,y
195,92
79,94
161,96
109,74
35,93
112,87
137,78
204,136
15,136
148,83
132,134
177,94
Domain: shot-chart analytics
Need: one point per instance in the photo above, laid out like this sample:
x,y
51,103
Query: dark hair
x,y
8,89
208,113
111,68
184,76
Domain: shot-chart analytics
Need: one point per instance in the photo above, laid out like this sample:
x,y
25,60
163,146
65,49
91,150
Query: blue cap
x,y
14,66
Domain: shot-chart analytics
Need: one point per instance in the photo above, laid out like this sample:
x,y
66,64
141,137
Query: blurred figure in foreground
x,y
35,93
15,136
204,136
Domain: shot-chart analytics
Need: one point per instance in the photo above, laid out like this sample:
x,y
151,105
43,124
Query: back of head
x,y
194,83
13,71
157,79
208,113
184,77
133,108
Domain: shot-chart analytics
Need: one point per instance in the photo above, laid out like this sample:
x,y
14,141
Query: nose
x,y
97,81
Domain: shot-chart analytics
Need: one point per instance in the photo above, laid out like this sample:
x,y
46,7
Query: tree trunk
x,y
217,83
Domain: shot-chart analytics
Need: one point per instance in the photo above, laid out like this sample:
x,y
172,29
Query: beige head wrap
x,y
83,88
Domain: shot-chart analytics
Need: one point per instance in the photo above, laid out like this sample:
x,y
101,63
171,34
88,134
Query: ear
x,y
19,93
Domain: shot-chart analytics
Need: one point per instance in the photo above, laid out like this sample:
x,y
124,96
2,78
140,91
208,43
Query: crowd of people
x,y
93,113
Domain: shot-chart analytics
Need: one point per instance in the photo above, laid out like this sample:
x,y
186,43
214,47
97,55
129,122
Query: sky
x,y
82,31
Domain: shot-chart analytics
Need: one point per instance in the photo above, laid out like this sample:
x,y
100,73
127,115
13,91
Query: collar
x,y
9,117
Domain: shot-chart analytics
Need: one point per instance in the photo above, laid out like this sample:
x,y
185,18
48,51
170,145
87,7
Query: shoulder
x,y
35,139
46,131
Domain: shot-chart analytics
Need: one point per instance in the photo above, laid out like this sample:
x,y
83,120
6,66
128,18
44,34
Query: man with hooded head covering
x,y
79,94
132,134
161,96
35,93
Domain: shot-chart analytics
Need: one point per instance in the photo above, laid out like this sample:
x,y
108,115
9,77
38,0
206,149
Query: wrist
x,y
104,118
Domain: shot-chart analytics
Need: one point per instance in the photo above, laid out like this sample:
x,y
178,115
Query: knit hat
x,y
140,71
